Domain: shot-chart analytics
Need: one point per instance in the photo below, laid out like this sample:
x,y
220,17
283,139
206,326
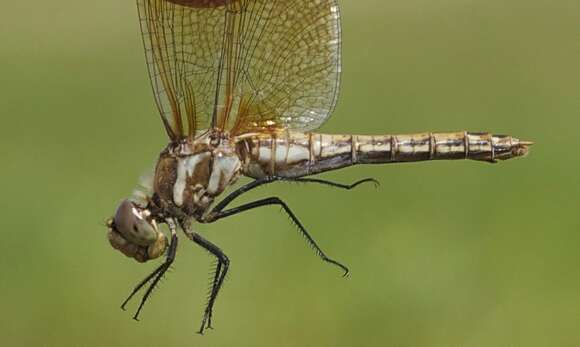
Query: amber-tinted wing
x,y
242,65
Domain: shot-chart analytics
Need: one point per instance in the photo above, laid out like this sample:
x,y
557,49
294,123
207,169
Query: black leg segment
x,y
217,214
337,185
262,181
156,275
218,278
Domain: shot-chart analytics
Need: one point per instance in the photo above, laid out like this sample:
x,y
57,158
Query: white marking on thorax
x,y
227,166
185,167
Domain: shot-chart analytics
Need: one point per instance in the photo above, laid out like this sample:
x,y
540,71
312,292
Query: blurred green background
x,y
443,254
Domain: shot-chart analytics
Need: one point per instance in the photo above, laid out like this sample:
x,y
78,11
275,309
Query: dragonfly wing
x,y
242,65
183,45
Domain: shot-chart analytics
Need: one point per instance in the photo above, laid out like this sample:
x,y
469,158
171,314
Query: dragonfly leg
x,y
335,184
214,289
217,214
269,179
218,277
157,274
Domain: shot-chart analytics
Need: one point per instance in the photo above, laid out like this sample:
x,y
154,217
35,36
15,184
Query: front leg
x,y
157,274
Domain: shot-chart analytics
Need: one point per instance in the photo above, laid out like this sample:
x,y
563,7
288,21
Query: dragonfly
x,y
241,86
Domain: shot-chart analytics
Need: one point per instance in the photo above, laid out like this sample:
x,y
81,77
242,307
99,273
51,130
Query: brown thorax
x,y
190,174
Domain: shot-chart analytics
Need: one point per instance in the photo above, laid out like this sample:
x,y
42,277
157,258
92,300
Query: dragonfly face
x,y
240,85
133,232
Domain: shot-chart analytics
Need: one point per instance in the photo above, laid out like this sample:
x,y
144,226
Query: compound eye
x,y
130,221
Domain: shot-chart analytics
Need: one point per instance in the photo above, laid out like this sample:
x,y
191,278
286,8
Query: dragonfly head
x,y
134,232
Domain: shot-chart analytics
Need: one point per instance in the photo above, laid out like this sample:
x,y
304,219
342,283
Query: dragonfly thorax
x,y
190,174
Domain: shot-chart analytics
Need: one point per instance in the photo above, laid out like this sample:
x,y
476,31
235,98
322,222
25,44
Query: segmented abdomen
x,y
294,154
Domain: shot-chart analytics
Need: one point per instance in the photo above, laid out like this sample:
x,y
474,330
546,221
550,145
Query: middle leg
x,y
218,277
